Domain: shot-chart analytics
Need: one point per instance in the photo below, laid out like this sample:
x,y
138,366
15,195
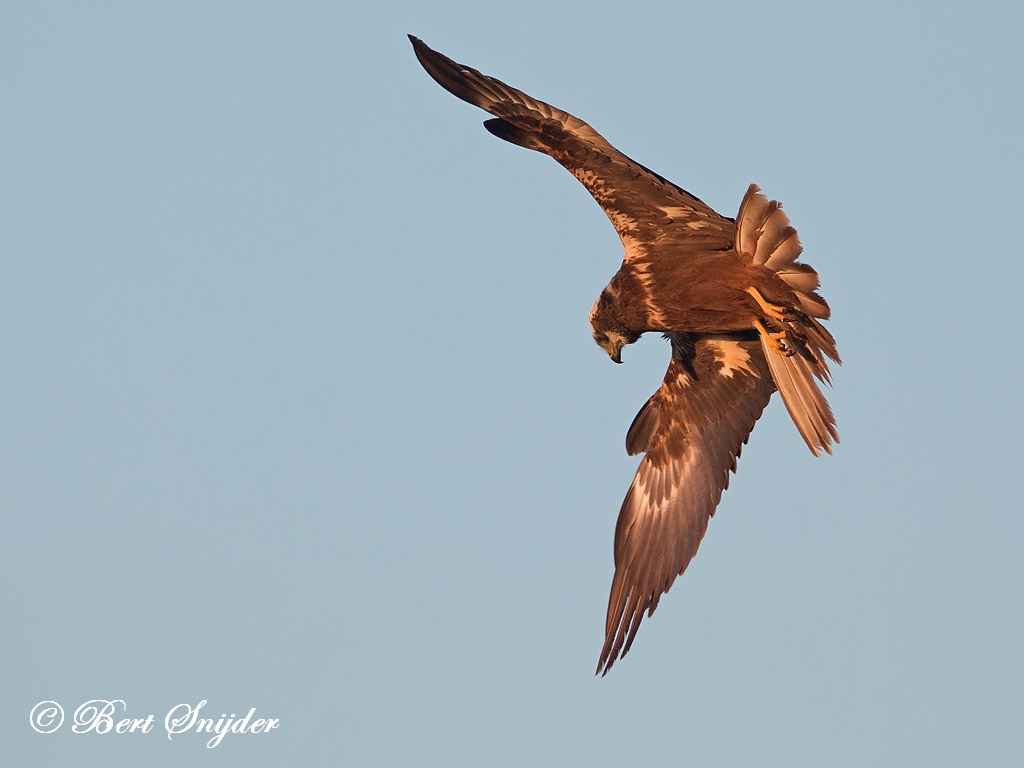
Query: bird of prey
x,y
741,313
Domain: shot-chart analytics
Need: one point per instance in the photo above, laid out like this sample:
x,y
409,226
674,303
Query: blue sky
x,y
299,409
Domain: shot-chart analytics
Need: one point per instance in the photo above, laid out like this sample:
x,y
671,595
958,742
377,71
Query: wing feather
x,y
713,393
644,207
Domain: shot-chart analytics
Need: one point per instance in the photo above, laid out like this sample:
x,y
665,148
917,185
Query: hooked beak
x,y
617,357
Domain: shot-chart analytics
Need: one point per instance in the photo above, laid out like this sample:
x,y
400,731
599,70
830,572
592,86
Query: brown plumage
x,y
741,313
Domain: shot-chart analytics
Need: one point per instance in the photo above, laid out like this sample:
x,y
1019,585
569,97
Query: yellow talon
x,y
774,311
781,340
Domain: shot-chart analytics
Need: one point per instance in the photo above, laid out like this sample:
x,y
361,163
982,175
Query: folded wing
x,y
692,430
644,208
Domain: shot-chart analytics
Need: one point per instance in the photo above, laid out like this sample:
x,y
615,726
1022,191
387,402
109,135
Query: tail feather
x,y
794,377
813,305
804,281
799,277
786,249
820,340
763,231
764,234
752,213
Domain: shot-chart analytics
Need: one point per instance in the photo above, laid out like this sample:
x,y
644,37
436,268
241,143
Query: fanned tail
x,y
796,352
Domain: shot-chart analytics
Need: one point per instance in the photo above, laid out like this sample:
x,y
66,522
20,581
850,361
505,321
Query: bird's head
x,y
609,332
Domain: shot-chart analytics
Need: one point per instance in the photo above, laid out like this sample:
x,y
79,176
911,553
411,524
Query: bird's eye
x,y
600,338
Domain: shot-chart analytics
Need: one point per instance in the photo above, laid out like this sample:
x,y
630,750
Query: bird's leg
x,y
781,340
774,311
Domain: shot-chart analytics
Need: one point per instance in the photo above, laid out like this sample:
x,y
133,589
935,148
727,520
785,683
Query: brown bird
x,y
742,315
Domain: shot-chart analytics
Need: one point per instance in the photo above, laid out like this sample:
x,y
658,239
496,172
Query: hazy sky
x,y
299,409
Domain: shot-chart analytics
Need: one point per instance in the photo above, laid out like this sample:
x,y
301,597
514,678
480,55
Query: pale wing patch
x,y
733,357
687,214
642,269
626,226
683,380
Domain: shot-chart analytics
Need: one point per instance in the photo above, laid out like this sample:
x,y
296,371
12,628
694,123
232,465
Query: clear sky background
x,y
299,409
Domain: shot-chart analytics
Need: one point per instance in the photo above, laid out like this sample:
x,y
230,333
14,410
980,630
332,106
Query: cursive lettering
x,y
98,716
95,716
184,718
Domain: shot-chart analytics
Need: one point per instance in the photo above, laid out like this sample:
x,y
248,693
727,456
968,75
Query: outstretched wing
x,y
692,430
644,208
